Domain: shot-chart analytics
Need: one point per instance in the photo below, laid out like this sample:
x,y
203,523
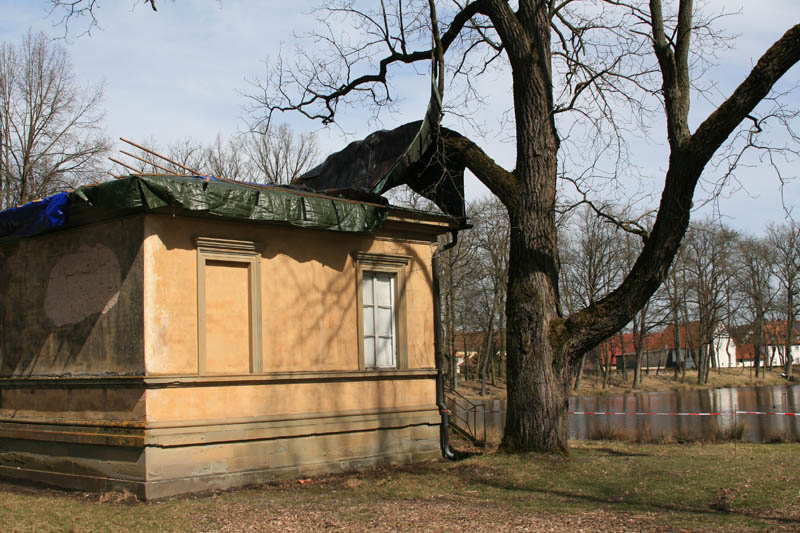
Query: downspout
x,y
444,439
435,106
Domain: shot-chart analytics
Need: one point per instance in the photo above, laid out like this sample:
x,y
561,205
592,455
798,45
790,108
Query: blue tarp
x,y
35,217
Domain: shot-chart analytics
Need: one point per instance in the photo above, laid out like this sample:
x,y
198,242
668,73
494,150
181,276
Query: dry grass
x,y
664,381
600,486
712,434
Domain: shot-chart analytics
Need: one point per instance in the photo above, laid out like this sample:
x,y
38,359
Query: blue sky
x,y
178,73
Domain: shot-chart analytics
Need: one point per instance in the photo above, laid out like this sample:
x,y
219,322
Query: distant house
x,y
660,348
622,350
773,347
173,334
468,344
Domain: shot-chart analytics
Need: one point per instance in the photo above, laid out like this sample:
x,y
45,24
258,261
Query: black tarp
x,y
410,154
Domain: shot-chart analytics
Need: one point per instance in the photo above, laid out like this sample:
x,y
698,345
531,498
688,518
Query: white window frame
x,y
370,283
396,266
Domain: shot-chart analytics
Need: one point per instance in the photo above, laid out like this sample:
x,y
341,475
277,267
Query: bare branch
x,y
313,89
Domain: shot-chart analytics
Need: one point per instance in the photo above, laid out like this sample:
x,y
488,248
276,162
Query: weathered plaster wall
x,y
224,402
99,376
59,400
71,302
309,409
72,358
181,469
308,296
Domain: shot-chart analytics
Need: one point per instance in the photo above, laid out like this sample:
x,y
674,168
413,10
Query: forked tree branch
x,y
329,98
585,329
465,152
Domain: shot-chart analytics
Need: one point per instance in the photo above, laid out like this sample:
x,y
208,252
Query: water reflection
x,y
756,428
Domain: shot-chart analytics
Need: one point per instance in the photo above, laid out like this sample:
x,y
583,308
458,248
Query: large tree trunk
x,y
538,375
542,346
787,369
539,369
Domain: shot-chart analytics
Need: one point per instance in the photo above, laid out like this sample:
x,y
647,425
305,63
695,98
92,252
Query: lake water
x,y
671,415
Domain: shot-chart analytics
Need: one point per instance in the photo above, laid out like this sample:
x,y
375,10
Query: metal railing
x,y
466,415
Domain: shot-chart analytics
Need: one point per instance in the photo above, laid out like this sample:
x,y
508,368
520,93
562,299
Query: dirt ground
x,y
602,486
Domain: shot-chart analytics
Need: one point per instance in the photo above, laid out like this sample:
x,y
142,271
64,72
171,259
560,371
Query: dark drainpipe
x,y
437,343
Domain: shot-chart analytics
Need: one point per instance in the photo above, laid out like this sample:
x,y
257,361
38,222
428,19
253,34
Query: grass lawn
x,y
600,486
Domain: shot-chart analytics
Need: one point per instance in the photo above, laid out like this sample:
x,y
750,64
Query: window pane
x,y
378,316
369,321
369,352
384,352
366,284
384,321
383,289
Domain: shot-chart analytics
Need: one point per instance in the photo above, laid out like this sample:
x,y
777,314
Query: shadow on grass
x,y
494,479
619,453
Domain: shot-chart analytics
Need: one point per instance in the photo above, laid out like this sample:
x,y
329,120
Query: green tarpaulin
x,y
194,196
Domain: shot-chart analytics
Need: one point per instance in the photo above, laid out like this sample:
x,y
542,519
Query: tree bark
x,y
637,369
487,353
789,332
579,373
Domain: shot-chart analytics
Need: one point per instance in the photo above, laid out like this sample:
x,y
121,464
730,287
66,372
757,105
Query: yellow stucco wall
x,y
227,335
308,320
308,296
274,400
119,401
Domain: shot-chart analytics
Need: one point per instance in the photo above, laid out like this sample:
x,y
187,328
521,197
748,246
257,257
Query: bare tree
x,y
785,243
544,346
273,157
405,196
567,61
754,292
227,159
491,231
591,253
459,269
649,316
676,297
279,155
51,135
709,252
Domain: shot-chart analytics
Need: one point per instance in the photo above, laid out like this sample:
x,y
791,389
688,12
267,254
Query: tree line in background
x,y
275,156
52,136
720,278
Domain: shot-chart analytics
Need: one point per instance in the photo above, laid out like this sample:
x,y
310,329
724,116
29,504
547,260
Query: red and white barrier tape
x,y
765,413
680,414
642,414
637,413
